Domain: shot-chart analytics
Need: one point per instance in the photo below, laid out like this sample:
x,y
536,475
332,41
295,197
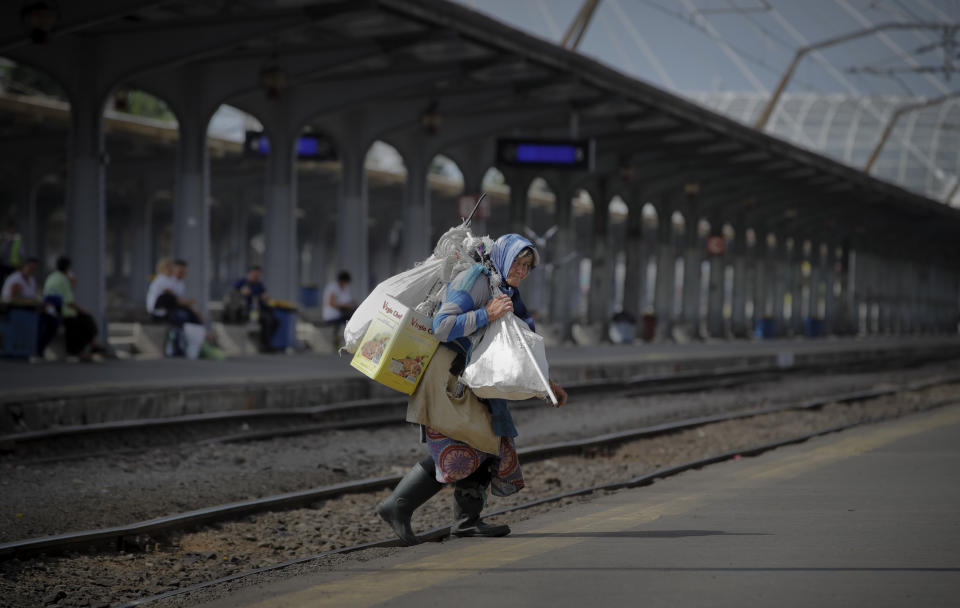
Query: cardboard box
x,y
397,347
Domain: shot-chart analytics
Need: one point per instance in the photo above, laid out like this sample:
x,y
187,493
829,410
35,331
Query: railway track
x,y
115,438
441,532
113,537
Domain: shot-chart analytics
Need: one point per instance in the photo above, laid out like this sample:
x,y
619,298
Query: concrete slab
x,y
38,396
864,518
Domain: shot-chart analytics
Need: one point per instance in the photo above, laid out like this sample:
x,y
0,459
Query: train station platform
x,y
867,517
45,395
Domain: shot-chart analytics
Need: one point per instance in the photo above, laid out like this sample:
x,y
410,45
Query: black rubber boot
x,y
416,488
467,504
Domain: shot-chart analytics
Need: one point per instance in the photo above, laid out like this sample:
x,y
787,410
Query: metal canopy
x,y
433,55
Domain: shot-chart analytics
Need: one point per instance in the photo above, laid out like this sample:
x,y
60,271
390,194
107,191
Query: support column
x,y
121,226
796,286
86,209
692,258
237,238
191,213
666,261
845,312
738,314
353,253
27,221
281,259
817,274
416,209
777,272
519,202
634,282
715,294
561,280
761,300
141,260
601,283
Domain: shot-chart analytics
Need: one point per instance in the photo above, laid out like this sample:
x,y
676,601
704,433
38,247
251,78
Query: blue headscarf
x,y
505,251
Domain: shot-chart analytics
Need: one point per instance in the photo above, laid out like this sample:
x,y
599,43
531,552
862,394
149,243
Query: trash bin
x,y
19,330
649,327
285,335
765,328
309,296
812,328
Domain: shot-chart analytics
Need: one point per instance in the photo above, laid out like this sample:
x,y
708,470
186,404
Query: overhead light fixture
x,y
121,100
273,78
39,17
431,120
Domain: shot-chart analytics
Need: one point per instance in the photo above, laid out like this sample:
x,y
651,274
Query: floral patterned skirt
x,y
456,460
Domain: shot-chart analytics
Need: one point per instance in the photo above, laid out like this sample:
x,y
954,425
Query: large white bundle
x,y
420,287
509,363
410,287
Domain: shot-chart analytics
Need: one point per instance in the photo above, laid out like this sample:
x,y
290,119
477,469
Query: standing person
x,y
79,325
254,293
11,251
479,453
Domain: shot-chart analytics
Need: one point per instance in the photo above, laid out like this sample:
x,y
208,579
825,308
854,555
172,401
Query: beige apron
x,y
464,418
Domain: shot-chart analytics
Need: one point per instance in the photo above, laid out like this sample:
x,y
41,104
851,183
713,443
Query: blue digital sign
x,y
573,154
309,147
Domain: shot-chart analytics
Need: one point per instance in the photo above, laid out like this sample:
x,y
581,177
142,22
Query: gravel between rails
x,y
52,498
186,559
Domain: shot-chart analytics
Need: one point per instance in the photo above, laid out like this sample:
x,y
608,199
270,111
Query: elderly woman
x,y
470,440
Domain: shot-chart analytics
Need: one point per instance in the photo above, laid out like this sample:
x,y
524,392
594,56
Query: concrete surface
x,y
870,517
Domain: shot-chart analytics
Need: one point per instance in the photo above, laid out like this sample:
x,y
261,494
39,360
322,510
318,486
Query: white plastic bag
x,y
195,334
421,287
410,287
509,363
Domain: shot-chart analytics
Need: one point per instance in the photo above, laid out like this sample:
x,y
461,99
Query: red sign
x,y
716,245
466,203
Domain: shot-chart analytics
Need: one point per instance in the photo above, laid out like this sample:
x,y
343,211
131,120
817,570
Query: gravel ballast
x,y
99,492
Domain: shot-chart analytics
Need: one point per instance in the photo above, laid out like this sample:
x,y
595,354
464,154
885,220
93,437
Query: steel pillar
x,y
666,262
281,255
86,209
715,292
191,210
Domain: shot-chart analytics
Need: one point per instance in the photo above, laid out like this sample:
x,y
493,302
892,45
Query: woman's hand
x,y
498,306
559,393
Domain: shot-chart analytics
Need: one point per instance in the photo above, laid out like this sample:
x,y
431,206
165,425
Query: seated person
x,y
81,329
253,294
22,285
165,295
338,304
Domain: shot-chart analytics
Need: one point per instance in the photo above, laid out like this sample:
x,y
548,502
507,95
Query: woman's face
x,y
519,271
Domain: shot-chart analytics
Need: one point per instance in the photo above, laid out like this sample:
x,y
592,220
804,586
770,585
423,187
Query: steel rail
x,y
364,412
439,533
195,518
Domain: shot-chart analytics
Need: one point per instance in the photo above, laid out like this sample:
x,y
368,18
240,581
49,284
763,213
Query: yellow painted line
x,y
369,589
798,464
374,588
